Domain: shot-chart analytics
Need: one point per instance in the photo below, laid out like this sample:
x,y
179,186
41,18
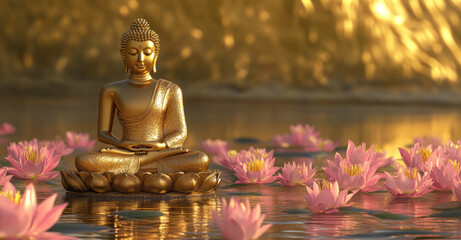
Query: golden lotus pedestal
x,y
146,182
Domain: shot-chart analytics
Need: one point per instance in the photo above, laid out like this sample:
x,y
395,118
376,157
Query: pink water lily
x,y
6,128
21,217
456,187
3,177
232,159
304,137
386,161
31,161
428,140
408,183
327,198
215,146
421,157
80,141
452,151
228,159
60,147
296,174
443,173
357,171
256,167
238,221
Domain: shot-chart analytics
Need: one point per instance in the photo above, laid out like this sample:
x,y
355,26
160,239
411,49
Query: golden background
x,y
265,48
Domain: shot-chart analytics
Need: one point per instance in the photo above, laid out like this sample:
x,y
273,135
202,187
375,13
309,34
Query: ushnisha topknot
x,y
139,31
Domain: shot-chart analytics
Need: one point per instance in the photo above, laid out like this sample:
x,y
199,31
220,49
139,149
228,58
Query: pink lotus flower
x,y
296,174
228,159
419,157
305,137
238,221
357,171
6,128
456,188
408,183
256,167
31,161
21,217
60,147
215,146
443,173
3,178
386,160
232,159
453,151
79,141
428,140
328,198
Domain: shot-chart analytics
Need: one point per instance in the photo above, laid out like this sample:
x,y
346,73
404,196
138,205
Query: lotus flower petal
x,y
31,160
304,137
239,221
356,171
24,219
6,128
79,141
408,183
323,201
257,166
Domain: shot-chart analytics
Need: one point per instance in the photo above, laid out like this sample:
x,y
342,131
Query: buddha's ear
x,y
154,69
123,59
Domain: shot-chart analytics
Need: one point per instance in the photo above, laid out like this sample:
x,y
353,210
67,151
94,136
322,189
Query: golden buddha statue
x,y
151,114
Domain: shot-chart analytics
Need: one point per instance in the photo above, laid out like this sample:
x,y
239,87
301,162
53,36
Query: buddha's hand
x,y
143,146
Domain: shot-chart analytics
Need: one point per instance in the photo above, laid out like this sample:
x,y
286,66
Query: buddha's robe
x,y
163,120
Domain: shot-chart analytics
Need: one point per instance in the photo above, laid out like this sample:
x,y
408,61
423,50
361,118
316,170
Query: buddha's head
x,y
139,48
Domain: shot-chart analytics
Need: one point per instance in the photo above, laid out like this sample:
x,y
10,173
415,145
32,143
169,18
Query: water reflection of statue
x,y
150,112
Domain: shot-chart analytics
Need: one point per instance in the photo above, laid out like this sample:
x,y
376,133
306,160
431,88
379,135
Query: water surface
x,y
386,126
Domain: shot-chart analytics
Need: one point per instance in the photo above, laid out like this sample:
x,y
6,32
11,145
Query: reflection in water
x,y
326,225
182,217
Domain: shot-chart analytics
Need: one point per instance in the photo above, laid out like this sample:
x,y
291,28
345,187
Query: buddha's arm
x,y
106,117
174,126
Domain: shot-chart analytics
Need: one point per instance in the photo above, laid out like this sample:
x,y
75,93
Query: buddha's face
x,y
140,57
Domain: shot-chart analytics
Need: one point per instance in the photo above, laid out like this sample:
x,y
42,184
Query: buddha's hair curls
x,y
139,31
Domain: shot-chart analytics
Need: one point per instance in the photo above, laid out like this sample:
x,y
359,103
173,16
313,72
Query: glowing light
x,y
381,10
264,16
307,5
133,4
186,52
228,40
124,10
196,33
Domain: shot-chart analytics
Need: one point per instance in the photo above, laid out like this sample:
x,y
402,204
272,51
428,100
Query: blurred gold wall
x,y
336,45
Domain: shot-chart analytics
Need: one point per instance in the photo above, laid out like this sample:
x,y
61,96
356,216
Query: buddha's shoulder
x,y
114,86
168,85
